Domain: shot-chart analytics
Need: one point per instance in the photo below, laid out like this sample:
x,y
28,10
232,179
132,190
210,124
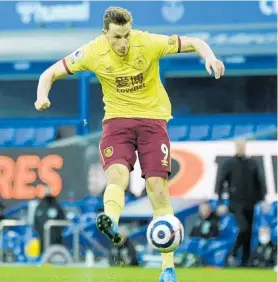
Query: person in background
x,y
124,254
240,174
206,227
49,209
207,224
265,254
222,210
2,207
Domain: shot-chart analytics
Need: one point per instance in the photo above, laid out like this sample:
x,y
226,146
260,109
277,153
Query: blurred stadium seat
x,y
213,251
216,250
6,136
265,214
27,137
223,127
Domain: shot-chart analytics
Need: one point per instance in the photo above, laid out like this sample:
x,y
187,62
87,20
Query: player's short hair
x,y
116,15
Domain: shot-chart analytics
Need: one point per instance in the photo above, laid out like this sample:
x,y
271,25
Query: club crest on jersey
x,y
108,152
140,63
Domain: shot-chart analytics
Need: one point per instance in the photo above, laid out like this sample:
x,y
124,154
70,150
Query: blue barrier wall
x,y
245,41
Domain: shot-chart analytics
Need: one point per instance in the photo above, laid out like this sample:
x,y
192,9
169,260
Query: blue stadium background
x,y
33,36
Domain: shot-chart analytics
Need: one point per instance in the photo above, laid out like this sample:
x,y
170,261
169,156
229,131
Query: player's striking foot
x,y
168,275
109,227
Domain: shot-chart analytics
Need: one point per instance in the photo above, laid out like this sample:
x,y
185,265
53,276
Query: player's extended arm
x,y
191,44
53,73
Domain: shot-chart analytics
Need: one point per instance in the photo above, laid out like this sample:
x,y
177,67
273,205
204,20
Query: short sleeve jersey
x,y
131,84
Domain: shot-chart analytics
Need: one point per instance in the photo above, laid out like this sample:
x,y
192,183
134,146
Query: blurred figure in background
x,y
240,174
222,210
207,224
49,209
2,207
206,227
124,254
265,254
96,177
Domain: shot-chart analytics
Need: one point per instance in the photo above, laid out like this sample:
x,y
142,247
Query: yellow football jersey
x,y
131,84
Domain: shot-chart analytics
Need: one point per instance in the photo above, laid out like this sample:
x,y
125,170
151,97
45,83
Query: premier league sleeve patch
x,y
76,55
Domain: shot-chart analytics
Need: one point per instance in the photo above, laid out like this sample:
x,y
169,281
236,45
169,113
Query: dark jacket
x,y
2,207
49,209
244,184
264,256
123,255
206,228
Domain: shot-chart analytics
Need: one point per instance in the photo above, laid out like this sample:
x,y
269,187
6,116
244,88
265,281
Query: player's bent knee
x,y
118,174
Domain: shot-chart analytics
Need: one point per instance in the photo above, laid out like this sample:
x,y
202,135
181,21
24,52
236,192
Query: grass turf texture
x,y
52,274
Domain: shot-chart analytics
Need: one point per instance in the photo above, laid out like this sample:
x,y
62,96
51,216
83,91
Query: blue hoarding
x,y
223,127
24,15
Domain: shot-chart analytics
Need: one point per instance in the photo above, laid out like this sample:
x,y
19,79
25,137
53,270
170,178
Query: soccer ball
x,y
165,233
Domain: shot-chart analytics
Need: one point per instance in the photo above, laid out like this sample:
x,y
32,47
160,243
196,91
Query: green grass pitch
x,y
52,274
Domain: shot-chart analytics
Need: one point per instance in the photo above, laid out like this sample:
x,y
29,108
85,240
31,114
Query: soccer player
x,y
137,109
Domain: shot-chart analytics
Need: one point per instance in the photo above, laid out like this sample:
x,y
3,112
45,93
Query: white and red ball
x,y
165,233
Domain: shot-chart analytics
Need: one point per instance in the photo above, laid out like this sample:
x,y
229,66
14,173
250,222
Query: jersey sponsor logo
x,y
127,84
108,152
140,63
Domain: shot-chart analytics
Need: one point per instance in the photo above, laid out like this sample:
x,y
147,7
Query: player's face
x,y
119,36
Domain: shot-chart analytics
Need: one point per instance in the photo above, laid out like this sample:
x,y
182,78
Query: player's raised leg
x,y
117,154
114,195
117,181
